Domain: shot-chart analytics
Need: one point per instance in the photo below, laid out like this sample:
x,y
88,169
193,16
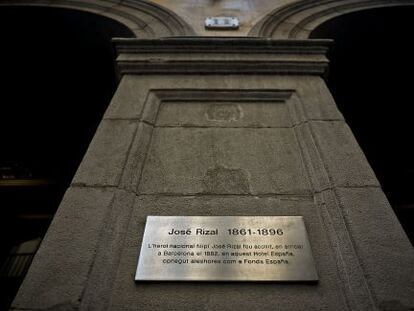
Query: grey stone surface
x,y
107,154
60,270
249,161
317,101
224,114
343,158
383,249
152,105
128,100
133,92
325,295
108,253
135,162
142,84
312,159
356,288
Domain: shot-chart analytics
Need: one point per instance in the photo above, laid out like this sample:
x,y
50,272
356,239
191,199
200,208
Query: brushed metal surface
x,y
221,22
225,248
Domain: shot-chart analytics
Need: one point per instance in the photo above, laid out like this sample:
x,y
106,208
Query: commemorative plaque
x,y
225,248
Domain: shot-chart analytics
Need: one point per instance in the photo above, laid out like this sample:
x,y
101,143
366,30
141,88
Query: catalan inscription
x,y
226,248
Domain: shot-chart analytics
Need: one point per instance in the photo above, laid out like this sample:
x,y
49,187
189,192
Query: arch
x,y
297,20
146,20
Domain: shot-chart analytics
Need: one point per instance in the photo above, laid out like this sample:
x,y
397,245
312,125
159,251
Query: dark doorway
x,y
369,77
57,78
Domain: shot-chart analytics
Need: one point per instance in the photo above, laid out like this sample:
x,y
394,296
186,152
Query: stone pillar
x,y
222,126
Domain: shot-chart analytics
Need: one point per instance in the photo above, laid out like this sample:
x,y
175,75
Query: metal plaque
x,y
221,22
225,248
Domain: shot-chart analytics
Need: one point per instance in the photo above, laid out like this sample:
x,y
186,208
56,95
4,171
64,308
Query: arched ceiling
x,y
300,18
145,19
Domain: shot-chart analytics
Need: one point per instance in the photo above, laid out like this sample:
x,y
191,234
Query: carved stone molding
x,y
207,55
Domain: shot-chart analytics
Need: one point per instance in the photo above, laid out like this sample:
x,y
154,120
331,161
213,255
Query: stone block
x,y
344,161
108,253
383,249
128,100
107,154
317,100
60,269
353,279
136,158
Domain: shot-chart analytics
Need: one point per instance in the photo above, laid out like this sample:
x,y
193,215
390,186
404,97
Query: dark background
x,y
57,78
370,77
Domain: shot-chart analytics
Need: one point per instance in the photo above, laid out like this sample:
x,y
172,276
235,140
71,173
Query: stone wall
x,y
226,126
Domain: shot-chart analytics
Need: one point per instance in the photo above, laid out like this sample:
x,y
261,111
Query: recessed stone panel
x,y
224,114
224,161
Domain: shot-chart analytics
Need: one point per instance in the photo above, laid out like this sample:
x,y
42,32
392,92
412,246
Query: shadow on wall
x,y
371,64
57,80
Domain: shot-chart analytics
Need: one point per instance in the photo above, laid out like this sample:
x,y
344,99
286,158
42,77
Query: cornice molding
x,y
225,55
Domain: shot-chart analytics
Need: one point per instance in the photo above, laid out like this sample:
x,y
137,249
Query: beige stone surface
x,y
249,12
